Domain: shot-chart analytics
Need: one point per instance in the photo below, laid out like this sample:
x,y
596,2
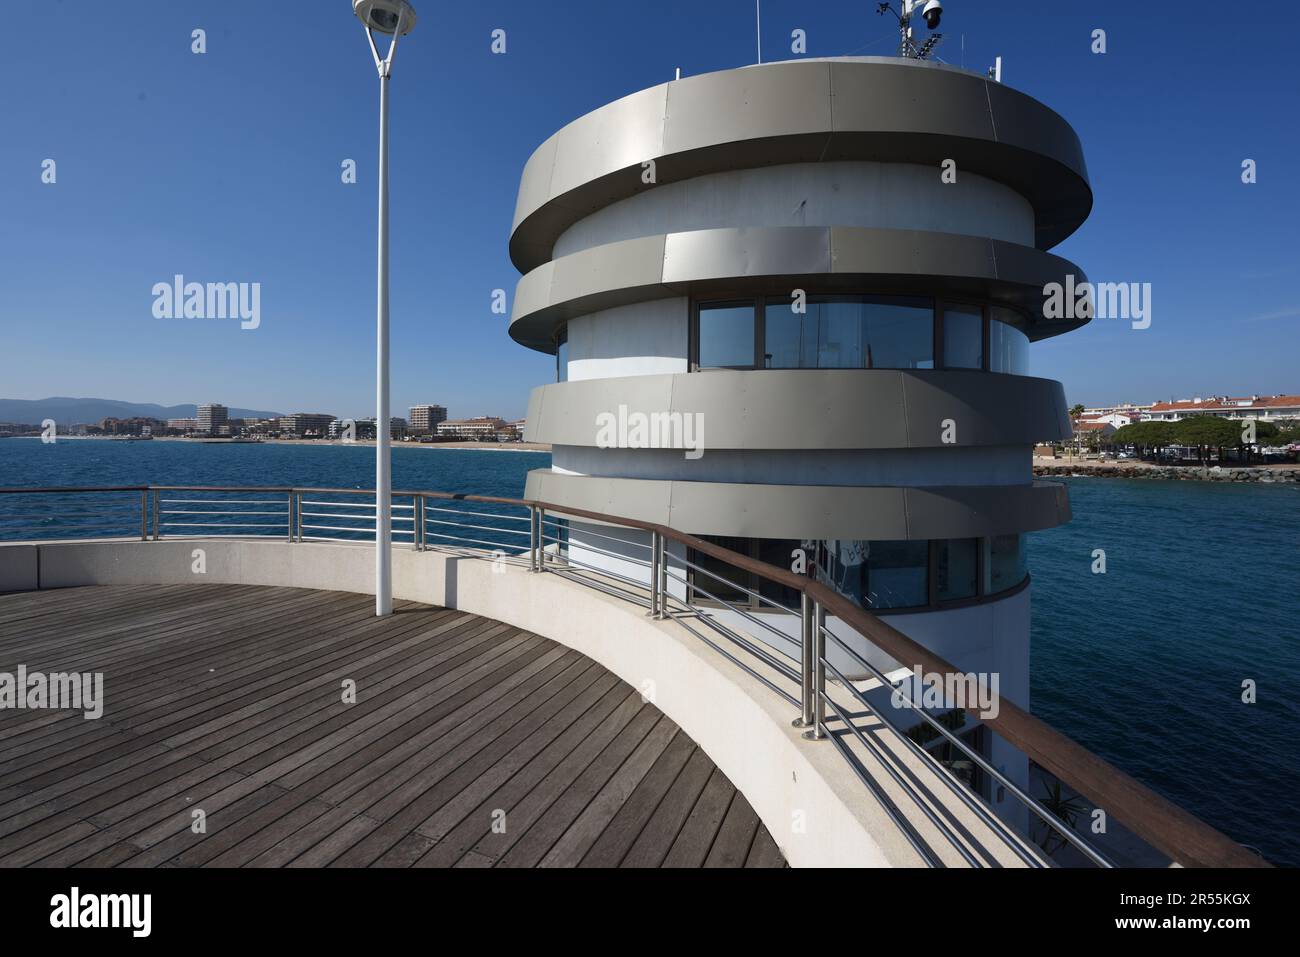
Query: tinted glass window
x,y
781,553
898,574
791,337
1006,562
963,337
900,336
726,336
849,335
1008,346
707,587
955,568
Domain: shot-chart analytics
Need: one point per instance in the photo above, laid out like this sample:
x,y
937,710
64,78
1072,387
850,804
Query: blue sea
x,y
1143,664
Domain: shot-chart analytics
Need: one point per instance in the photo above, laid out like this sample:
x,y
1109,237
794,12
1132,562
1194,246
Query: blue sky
x,y
225,167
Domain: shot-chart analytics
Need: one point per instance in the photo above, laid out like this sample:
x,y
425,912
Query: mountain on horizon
x,y
70,411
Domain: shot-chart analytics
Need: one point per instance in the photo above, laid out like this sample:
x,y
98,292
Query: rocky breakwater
x,y
1216,473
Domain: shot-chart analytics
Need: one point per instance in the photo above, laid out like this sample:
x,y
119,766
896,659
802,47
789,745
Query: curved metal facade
x,y
890,112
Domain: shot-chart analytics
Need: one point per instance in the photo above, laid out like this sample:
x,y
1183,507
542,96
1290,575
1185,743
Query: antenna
x,y
758,23
995,71
931,11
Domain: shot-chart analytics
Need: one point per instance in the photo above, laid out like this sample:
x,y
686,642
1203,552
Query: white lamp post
x,y
394,18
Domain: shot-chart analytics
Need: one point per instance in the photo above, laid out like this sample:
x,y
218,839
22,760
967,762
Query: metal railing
x,y
755,635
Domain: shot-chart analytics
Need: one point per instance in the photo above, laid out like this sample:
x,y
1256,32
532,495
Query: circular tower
x,y
791,306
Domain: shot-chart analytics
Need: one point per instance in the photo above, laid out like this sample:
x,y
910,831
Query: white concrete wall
x,y
644,338
954,465
856,193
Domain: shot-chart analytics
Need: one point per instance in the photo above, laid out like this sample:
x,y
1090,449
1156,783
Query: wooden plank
x,y
656,838
583,832
735,836
541,837
764,852
692,844
616,839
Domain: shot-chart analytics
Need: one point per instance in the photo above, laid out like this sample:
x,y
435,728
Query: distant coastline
x,y
365,443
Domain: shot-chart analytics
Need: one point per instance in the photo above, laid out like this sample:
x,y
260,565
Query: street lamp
x,y
395,18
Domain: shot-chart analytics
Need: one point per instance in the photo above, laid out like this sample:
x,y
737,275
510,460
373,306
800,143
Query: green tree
x,y
1076,410
1207,432
1145,436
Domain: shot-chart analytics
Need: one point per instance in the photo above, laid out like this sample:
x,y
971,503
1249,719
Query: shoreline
x,y
1277,474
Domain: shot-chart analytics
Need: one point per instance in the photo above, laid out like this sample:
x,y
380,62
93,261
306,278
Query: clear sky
x,y
225,166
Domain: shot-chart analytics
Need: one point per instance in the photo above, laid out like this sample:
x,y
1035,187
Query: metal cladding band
x,y
726,262
885,109
815,409
812,511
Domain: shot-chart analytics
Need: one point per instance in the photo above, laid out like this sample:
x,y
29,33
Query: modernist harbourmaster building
x,y
665,242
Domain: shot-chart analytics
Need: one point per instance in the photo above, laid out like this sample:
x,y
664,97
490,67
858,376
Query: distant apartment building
x,y
212,418
138,425
365,429
1133,411
306,424
1116,419
425,418
1266,408
183,425
484,428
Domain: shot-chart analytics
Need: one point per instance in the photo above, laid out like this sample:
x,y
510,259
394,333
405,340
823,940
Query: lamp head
x,y
383,16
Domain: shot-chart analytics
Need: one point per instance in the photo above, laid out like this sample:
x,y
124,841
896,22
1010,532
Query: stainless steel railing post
x,y
663,577
418,537
532,538
805,718
656,558
541,539
290,518
297,496
144,515
157,531
818,729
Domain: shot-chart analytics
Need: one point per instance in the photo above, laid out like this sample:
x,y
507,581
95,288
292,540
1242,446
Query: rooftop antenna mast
x,y
758,25
931,11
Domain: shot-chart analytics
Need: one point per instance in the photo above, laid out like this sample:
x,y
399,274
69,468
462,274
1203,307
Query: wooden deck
x,y
471,743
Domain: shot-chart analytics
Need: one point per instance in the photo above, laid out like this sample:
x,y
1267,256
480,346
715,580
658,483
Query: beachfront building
x,y
484,428
1265,408
832,334
1092,433
308,425
425,418
365,428
212,418
182,425
1116,419
1133,411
